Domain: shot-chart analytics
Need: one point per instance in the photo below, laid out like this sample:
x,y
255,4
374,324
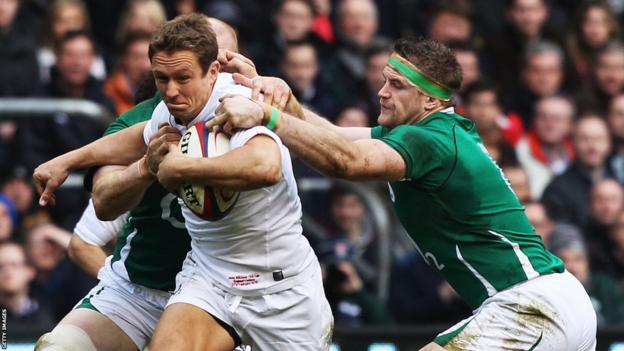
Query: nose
x,y
384,92
172,89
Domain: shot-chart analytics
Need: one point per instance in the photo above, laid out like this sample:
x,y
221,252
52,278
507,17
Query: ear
x,y
214,68
432,103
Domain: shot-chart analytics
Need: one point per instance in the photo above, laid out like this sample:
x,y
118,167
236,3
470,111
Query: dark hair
x,y
71,35
459,8
132,37
190,32
433,59
461,45
278,4
478,87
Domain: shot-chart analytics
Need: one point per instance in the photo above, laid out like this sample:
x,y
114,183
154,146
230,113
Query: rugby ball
x,y
206,202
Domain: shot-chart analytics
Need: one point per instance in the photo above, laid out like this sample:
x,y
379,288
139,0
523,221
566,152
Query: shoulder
x,y
226,85
139,113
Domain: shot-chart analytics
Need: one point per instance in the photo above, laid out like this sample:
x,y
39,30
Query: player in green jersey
x,y
450,196
135,282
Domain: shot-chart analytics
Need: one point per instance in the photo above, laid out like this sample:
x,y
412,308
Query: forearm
x,y
89,258
119,191
322,148
121,148
231,172
349,133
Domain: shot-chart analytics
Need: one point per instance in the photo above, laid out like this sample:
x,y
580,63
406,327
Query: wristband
x,y
273,119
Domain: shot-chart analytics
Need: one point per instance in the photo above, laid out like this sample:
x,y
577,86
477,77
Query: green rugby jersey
x,y
153,243
460,211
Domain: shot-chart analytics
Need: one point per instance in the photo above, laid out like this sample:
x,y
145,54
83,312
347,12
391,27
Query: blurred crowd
x,y
542,80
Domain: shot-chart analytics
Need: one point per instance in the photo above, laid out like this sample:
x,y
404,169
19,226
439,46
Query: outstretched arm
x,y
277,93
322,148
121,148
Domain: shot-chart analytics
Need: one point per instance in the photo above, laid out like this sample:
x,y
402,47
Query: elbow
x,y
268,175
101,211
74,248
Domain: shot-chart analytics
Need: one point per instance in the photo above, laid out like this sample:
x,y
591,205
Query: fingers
x,y
268,95
47,196
242,80
280,100
217,120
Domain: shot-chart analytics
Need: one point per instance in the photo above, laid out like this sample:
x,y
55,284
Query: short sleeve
x,y
241,138
95,232
428,153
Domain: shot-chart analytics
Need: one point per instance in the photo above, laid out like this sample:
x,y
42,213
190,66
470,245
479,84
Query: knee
x,y
65,337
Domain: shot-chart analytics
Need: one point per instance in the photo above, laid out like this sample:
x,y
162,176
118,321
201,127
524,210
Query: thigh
x,y
504,326
135,313
295,319
186,327
104,334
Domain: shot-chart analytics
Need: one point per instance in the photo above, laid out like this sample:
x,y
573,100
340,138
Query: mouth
x,y
172,106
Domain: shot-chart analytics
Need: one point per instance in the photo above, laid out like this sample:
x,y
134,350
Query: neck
x,y
13,301
421,117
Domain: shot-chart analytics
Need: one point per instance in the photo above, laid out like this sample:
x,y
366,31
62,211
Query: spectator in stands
x,y
42,139
450,21
606,203
352,303
293,23
376,60
132,68
519,182
498,131
595,25
140,16
322,25
468,59
527,23
19,75
65,16
615,118
419,295
71,77
542,76
58,282
300,68
546,150
356,30
348,214
23,313
8,218
567,197
607,78
536,213
604,292
18,188
352,115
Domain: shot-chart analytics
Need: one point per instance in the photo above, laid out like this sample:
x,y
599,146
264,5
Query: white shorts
x,y
135,309
550,312
298,318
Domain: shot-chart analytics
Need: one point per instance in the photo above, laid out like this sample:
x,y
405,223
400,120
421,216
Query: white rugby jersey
x,y
259,247
95,232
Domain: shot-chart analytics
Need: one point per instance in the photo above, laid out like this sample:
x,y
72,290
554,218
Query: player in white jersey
x,y
253,270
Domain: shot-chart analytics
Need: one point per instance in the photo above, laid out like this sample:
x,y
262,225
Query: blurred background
x,y
542,80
